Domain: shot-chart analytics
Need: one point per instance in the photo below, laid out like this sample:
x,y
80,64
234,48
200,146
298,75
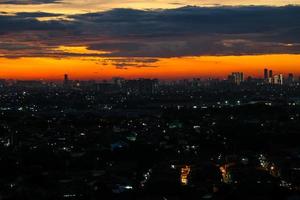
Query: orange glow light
x,y
164,68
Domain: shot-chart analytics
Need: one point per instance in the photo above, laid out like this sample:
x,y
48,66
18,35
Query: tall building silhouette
x,y
270,73
66,79
266,74
236,77
290,78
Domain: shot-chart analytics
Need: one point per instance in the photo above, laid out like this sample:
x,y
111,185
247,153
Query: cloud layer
x,y
186,31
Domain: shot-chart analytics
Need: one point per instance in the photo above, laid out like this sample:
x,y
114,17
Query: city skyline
x,y
267,77
149,99
81,71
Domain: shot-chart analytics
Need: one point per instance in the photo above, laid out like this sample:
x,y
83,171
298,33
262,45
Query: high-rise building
x,y
270,73
275,80
281,79
236,77
66,79
266,74
290,78
278,79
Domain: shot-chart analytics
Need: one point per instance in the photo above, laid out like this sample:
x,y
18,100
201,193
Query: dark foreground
x,y
217,143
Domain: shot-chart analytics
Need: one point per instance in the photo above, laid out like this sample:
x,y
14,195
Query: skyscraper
x,y
266,74
236,77
278,79
270,73
290,78
66,79
281,79
275,80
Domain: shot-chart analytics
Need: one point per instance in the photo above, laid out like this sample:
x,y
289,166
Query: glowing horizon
x,y
83,68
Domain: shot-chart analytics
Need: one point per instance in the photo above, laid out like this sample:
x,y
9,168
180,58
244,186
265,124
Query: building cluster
x,y
145,139
236,78
116,85
277,79
268,78
146,86
151,86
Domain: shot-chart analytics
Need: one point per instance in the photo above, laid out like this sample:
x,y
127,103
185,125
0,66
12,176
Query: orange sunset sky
x,y
99,39
170,68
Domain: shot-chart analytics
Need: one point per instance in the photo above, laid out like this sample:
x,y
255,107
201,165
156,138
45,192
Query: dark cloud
x,y
118,46
24,15
190,31
125,63
187,31
24,2
193,20
23,22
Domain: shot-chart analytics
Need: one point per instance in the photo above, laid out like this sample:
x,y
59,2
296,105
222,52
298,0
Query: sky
x,y
101,39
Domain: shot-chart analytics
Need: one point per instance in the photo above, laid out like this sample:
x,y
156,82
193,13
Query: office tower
x,y
290,78
66,79
266,74
275,79
236,77
280,79
270,73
